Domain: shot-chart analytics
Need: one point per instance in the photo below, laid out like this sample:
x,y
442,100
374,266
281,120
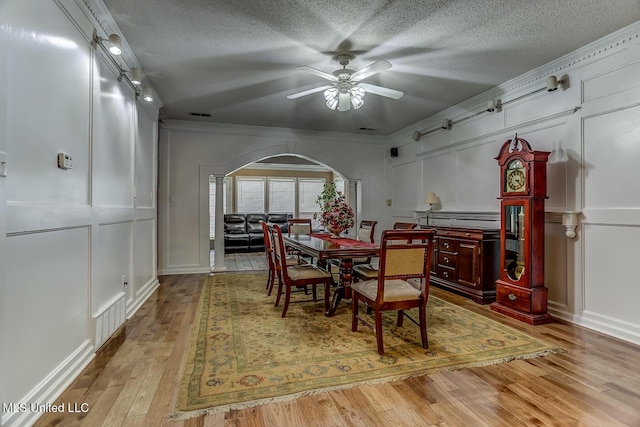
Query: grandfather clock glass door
x,y
514,252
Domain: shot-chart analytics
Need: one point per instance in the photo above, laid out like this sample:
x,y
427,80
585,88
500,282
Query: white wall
x,y
190,152
67,236
592,169
4,49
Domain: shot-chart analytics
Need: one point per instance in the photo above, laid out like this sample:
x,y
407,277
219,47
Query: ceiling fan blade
x,y
309,92
382,91
322,74
344,102
370,70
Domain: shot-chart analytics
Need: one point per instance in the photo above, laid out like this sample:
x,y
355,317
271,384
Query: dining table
x,y
324,247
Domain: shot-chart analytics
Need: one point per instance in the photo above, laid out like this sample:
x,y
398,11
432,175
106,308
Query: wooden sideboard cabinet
x,y
466,261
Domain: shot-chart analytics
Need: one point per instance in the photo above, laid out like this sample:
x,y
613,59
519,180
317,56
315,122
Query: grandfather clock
x,y
520,291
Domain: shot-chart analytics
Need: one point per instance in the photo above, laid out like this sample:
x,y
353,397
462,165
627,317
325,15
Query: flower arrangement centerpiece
x,y
336,215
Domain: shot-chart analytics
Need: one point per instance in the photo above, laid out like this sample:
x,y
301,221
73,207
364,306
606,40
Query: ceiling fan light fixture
x,y
331,96
356,102
330,93
332,104
357,95
347,89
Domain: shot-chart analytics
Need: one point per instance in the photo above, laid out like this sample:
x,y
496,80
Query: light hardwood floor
x,y
133,380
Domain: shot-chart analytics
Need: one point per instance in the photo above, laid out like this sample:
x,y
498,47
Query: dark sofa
x,y
243,232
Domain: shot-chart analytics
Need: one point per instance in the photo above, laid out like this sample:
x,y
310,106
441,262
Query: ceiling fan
x,y
346,89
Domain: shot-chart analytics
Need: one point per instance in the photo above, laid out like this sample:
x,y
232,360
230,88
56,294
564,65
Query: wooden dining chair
x,y
366,232
296,276
271,262
404,225
366,271
404,255
298,226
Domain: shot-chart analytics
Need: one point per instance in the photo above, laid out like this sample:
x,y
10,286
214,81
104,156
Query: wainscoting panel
x,y
478,175
611,291
611,142
144,255
112,260
439,175
404,196
47,298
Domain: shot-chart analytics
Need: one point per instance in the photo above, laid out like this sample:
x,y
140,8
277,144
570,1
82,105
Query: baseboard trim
x,y
52,386
183,270
141,296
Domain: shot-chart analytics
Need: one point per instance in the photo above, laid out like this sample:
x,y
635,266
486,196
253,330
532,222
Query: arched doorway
x,y
284,183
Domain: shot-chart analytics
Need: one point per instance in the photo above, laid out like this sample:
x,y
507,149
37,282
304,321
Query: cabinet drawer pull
x,y
446,245
468,234
446,274
446,259
512,297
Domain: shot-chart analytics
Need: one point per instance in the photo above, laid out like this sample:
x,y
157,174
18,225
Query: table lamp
x,y
430,199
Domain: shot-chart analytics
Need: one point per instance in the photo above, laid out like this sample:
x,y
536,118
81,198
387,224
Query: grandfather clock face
x,y
515,177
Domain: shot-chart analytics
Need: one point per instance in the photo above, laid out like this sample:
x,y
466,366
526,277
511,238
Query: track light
x,y
147,94
497,104
494,105
136,76
553,82
115,44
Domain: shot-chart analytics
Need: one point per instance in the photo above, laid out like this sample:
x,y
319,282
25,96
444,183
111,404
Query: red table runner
x,y
343,241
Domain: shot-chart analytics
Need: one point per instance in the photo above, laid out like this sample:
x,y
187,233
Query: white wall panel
x,y
610,277
439,175
113,136
404,193
111,260
556,263
47,304
145,155
611,82
47,61
144,255
537,106
611,154
478,177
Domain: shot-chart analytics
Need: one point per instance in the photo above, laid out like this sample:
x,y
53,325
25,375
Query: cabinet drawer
x,y
446,244
448,259
512,297
446,273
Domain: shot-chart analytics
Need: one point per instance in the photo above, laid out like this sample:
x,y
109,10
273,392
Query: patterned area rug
x,y
243,354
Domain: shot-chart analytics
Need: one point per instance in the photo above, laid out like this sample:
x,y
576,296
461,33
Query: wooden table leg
x,y
344,287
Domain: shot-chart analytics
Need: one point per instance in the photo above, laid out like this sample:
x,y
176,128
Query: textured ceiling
x,y
236,59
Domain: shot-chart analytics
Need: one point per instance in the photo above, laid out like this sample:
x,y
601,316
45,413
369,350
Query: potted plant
x,y
336,215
